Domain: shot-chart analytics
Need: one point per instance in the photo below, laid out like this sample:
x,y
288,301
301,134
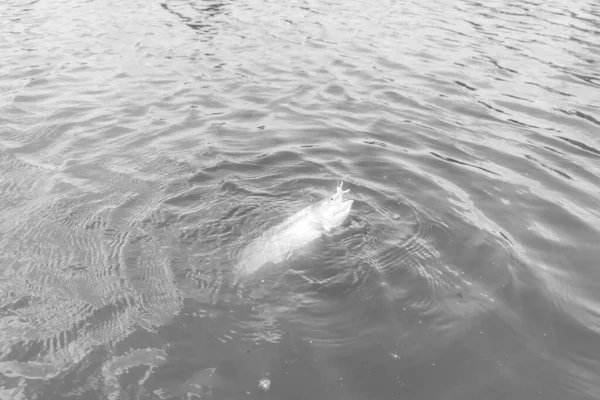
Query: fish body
x,y
277,243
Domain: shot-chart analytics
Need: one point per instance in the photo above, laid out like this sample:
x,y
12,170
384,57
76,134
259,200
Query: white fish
x,y
277,243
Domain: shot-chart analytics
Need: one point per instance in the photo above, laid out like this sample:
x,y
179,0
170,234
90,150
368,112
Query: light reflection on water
x,y
144,145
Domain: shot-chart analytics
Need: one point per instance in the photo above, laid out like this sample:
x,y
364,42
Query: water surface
x,y
145,144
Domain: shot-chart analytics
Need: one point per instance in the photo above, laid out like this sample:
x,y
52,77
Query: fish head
x,y
331,212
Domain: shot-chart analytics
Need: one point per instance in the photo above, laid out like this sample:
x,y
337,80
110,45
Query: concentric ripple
x,y
145,144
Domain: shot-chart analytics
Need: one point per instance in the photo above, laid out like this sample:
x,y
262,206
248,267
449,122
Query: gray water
x,y
145,144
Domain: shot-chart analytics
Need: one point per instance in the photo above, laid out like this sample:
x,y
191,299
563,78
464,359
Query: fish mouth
x,y
344,208
346,205
334,215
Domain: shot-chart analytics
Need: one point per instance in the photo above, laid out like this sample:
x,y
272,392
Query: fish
x,y
279,242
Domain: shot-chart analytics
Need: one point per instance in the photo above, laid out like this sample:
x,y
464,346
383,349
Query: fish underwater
x,y
278,242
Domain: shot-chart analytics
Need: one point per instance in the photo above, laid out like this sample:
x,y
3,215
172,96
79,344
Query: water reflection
x,y
202,16
134,169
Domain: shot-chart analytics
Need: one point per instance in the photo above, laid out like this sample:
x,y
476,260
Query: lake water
x,y
144,144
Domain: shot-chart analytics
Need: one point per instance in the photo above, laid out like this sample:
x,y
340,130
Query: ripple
x,y
78,282
144,145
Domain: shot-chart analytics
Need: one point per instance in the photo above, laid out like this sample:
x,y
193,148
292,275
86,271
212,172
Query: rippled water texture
x,y
145,144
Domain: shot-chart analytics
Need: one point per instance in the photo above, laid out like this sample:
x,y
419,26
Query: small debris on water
x,y
264,384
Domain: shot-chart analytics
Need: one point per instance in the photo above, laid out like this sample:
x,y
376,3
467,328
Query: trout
x,y
277,243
